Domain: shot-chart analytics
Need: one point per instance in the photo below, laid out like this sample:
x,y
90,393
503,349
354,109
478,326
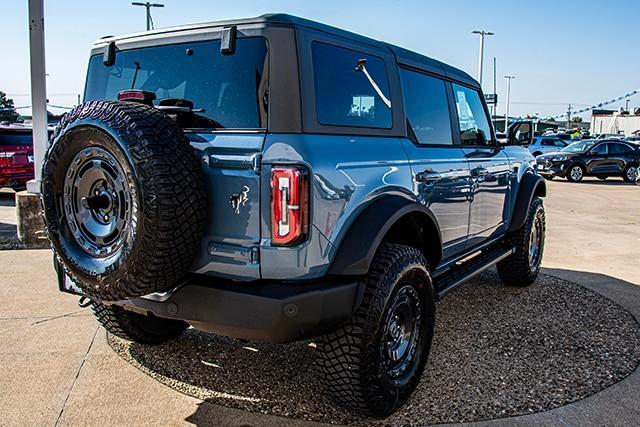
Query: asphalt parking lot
x,y
57,368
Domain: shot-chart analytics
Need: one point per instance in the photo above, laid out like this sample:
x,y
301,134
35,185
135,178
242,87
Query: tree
x,y
576,119
7,115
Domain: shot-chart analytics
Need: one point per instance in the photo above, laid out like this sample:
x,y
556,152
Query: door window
x,y
472,117
618,149
426,108
600,150
547,141
559,143
345,96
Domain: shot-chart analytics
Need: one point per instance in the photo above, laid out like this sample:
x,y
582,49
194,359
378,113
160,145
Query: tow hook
x,y
84,302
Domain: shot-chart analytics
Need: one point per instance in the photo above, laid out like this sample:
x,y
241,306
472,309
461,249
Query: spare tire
x,y
123,199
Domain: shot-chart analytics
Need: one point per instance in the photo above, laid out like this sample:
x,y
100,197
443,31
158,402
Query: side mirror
x,y
520,133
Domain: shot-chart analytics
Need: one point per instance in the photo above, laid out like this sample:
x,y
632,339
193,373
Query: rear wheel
x,y
373,362
143,329
575,173
522,267
631,173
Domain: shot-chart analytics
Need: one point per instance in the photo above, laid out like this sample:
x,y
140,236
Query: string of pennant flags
x,y
600,105
557,116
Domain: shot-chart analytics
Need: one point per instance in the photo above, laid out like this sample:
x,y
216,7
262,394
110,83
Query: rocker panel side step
x,y
458,274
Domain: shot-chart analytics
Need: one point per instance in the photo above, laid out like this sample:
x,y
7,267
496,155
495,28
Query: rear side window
x,y
619,149
344,96
227,91
547,141
472,118
426,107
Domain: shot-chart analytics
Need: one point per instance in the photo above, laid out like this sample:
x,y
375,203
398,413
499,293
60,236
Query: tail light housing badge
x,y
289,205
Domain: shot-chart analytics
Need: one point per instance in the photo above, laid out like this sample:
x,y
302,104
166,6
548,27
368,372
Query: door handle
x,y
479,171
428,176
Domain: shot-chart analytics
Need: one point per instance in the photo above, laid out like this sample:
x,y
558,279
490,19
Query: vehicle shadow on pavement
x,y
497,352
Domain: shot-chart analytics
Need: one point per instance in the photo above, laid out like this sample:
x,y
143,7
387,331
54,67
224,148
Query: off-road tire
x,y
516,270
166,188
350,359
140,328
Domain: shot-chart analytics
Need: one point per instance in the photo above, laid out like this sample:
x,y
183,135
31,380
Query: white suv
x,y
546,144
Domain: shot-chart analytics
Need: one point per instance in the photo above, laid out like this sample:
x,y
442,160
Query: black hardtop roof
x,y
403,56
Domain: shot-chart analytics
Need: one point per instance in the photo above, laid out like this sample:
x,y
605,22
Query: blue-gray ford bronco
x,y
278,179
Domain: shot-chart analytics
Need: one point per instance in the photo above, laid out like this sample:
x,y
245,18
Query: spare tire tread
x,y
171,197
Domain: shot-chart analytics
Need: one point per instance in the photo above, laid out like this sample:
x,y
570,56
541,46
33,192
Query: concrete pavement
x,y
56,368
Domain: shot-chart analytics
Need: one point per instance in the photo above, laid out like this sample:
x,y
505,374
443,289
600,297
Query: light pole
x,y
480,56
148,6
506,115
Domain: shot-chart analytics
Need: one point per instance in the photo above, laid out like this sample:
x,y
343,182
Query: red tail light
x,y
6,159
289,205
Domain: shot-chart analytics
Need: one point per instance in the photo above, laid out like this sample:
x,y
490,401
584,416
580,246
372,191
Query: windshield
x,y
231,90
579,147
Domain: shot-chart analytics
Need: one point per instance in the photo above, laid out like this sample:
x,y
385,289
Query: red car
x,y
16,156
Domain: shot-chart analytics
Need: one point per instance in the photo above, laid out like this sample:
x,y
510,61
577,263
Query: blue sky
x,y
560,51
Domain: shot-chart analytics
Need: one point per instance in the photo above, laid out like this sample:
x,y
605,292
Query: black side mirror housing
x,y
520,133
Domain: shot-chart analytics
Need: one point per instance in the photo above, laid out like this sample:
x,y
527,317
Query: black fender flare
x,y
530,186
360,243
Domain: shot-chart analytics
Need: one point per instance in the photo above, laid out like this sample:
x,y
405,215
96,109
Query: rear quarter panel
x,y
347,173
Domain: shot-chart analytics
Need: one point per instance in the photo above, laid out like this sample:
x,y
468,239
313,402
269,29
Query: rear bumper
x,y
15,179
272,312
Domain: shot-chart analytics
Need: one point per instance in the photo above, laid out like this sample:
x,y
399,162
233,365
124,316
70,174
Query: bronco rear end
x,y
229,220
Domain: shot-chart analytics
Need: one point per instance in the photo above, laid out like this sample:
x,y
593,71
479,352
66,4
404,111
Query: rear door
x,y
440,169
489,165
620,155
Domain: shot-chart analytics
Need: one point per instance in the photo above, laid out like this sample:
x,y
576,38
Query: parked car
x,y
16,156
610,136
278,179
599,158
546,144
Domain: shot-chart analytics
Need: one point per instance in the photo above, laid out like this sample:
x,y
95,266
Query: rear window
x,y
13,138
344,96
231,90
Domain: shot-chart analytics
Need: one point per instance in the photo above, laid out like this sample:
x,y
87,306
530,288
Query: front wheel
x,y
522,267
373,362
576,173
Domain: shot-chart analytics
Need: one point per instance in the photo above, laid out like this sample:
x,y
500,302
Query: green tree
x,y
7,115
576,119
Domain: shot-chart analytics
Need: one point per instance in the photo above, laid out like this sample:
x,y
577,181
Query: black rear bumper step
x,y
458,274
264,312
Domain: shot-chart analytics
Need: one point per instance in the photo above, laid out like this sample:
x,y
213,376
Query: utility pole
x,y
38,90
569,117
481,54
148,6
506,115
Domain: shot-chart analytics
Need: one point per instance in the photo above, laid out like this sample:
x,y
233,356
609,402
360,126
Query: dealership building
x,y
610,121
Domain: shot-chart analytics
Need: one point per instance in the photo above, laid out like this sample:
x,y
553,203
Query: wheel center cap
x,y
101,201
